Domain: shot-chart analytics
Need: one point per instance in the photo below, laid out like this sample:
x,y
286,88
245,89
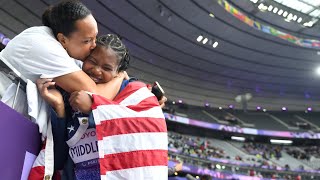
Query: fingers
x,y
162,101
72,99
44,84
43,81
47,85
80,101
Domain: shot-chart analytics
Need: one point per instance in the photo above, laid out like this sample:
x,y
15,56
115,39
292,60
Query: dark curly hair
x,y
62,17
113,41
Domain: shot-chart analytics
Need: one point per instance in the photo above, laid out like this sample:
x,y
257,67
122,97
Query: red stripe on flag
x,y
145,104
99,100
128,90
36,173
131,88
133,159
130,125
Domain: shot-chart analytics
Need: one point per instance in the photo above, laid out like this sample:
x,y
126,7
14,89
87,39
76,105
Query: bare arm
x,y
52,96
79,80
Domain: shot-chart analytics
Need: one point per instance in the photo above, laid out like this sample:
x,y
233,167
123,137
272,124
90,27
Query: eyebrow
x,y
107,65
86,38
92,37
104,65
90,56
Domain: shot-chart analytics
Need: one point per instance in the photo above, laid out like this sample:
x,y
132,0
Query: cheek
x,y
82,49
86,67
85,47
79,51
107,76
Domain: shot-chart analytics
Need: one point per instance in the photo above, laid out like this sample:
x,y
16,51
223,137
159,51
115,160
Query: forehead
x,y
104,54
86,27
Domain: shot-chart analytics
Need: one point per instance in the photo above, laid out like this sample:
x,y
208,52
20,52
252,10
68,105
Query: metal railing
x,y
15,76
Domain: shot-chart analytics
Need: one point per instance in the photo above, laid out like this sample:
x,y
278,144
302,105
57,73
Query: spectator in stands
x,y
287,167
312,151
298,154
176,168
194,147
238,158
263,150
252,172
298,177
301,167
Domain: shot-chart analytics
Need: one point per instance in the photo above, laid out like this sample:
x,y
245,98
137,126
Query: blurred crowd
x,y
195,147
263,150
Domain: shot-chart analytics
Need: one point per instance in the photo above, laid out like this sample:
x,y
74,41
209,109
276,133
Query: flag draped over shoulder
x,y
132,135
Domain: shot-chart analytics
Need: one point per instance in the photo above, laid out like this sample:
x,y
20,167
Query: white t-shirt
x,y
36,53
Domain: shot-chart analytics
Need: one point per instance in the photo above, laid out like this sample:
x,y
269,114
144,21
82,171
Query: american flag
x,y
132,135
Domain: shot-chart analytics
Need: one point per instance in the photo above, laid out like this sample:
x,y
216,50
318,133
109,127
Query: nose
x,y
93,45
96,70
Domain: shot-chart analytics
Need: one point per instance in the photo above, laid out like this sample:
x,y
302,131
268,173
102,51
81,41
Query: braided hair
x,y
113,41
62,17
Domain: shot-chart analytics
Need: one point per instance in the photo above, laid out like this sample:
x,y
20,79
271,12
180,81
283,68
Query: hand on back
x,y
51,95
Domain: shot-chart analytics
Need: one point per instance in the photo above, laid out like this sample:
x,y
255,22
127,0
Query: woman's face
x,y
81,42
101,65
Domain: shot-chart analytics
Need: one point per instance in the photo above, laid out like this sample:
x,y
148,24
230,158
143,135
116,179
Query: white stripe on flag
x,y
134,142
109,112
136,97
100,149
40,159
147,172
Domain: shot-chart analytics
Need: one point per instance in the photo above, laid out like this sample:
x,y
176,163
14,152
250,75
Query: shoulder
x,y
135,84
34,41
33,44
46,48
35,34
44,41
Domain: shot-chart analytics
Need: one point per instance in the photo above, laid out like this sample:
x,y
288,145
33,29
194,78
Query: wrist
x,y
59,109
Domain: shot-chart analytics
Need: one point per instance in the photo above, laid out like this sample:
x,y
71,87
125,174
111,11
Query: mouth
x,y
96,80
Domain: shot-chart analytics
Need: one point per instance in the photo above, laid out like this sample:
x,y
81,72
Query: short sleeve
x,y
50,61
36,53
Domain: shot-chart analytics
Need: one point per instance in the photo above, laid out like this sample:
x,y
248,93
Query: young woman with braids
x,y
104,63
